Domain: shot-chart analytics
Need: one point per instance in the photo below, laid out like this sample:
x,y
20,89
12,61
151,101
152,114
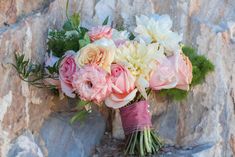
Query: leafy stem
x,y
32,73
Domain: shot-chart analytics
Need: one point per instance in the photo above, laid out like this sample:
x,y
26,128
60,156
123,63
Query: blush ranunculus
x,y
100,55
67,68
99,32
184,72
123,88
92,83
164,76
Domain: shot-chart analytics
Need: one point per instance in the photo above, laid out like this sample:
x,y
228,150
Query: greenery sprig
x,y
83,108
34,73
71,37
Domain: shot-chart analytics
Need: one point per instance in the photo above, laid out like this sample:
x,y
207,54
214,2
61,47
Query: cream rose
x,y
99,55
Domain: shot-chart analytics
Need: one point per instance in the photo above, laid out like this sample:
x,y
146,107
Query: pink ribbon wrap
x,y
135,117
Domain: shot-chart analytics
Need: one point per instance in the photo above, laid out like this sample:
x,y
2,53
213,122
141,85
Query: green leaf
x,y
29,72
82,103
174,93
132,36
87,38
79,116
106,21
67,26
82,43
83,30
75,20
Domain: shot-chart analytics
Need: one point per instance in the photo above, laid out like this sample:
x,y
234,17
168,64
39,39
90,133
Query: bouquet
x,y
118,68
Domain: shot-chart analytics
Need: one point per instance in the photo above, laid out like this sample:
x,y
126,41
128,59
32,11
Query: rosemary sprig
x,y
33,73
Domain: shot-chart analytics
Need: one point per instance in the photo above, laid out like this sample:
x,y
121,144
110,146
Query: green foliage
x,y
25,68
106,21
201,65
61,41
71,37
82,111
30,72
55,68
132,36
120,28
174,93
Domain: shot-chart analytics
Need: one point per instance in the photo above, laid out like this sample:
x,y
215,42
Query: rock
x,y
117,130
78,140
59,138
25,146
10,11
112,147
23,106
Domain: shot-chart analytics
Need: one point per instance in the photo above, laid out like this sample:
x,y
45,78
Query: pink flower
x,y
184,72
123,90
172,72
67,68
164,77
99,32
92,83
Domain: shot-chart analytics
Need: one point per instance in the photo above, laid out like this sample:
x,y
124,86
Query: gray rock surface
x,y
114,147
59,138
77,140
25,146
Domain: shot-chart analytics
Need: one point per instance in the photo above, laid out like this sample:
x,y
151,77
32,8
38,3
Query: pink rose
x,y
172,72
67,68
164,77
123,90
92,83
99,32
184,72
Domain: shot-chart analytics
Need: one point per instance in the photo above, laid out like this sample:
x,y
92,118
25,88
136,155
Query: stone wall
x,y
207,116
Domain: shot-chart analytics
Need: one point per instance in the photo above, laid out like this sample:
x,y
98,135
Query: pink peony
x,y
92,83
164,77
67,68
99,32
184,72
123,90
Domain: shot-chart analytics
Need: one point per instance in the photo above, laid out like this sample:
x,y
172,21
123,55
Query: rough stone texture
x,y
113,147
78,140
208,115
25,146
58,138
23,106
12,10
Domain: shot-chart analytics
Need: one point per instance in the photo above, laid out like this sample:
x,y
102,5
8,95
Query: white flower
x,y
120,35
140,59
105,42
158,29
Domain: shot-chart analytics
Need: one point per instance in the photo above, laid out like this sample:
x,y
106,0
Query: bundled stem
x,y
143,143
